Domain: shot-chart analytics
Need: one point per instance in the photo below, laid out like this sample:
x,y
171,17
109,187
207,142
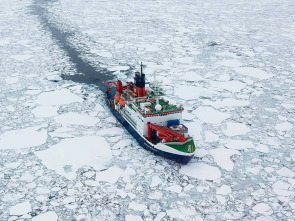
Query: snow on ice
x,y
58,97
23,138
71,154
201,171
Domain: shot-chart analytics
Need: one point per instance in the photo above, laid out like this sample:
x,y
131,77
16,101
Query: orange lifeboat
x,y
122,102
117,97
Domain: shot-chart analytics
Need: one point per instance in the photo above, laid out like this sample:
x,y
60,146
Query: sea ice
x,y
111,175
174,188
192,92
210,137
48,216
253,72
45,111
77,119
223,190
210,115
58,97
137,206
286,172
155,181
194,129
233,86
234,129
222,157
20,209
230,63
262,148
133,218
111,131
285,126
239,144
227,102
263,208
200,171
23,138
71,154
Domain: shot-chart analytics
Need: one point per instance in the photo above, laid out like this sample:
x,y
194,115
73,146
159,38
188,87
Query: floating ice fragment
x,y
263,208
111,175
239,144
76,119
201,153
233,86
234,129
133,218
285,126
76,152
20,209
230,63
11,80
222,157
200,171
262,148
111,131
21,57
194,130
58,97
45,111
211,137
210,115
23,138
155,195
192,92
174,188
223,190
155,181
48,216
286,172
227,102
137,206
253,72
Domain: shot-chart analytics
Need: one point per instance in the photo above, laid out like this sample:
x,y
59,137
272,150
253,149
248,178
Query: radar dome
x,y
158,107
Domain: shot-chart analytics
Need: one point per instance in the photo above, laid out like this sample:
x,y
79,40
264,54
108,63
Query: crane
x,y
165,133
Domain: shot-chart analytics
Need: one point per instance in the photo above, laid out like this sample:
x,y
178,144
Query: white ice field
x,y
63,156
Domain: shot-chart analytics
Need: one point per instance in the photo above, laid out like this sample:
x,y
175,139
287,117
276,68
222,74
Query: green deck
x,y
188,147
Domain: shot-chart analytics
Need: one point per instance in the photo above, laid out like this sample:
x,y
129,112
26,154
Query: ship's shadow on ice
x,y
86,72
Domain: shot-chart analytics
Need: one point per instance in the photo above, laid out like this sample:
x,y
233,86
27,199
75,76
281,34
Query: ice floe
x,y
192,92
45,111
110,175
286,172
253,72
77,119
227,102
263,208
137,206
48,216
210,115
234,129
58,97
23,138
20,209
285,126
224,190
239,144
201,171
222,157
210,137
71,154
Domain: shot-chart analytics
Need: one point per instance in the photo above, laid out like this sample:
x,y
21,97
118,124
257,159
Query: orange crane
x,y
165,133
118,84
